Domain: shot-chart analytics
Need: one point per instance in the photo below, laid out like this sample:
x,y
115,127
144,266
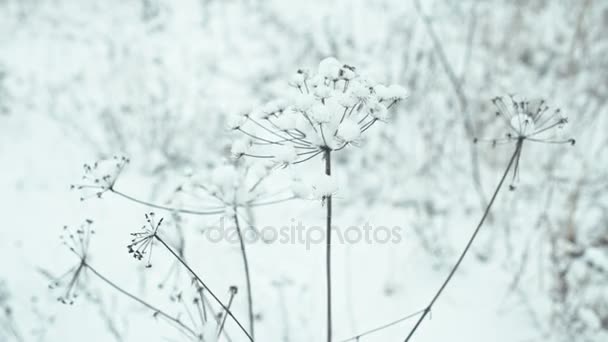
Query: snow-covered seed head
x,y
240,147
235,121
330,68
349,131
285,154
331,109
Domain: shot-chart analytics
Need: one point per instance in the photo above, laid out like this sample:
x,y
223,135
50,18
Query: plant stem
x,y
328,246
221,328
212,211
205,286
141,301
384,326
247,274
470,242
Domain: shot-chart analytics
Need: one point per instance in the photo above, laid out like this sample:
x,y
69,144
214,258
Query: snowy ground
x,y
155,80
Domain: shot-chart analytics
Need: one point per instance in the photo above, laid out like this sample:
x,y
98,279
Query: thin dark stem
x,y
213,211
156,310
469,243
308,158
219,332
384,326
162,207
268,202
328,247
247,274
204,285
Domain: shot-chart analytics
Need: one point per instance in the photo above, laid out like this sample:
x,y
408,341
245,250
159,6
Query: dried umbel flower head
x,y
530,120
100,177
77,241
143,241
527,120
231,186
330,110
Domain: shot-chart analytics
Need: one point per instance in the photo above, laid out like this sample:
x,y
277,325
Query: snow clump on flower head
x,y
329,111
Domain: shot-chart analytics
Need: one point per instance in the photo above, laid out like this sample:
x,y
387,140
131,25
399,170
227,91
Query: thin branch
x,y
204,285
328,247
156,310
384,326
213,211
426,311
247,274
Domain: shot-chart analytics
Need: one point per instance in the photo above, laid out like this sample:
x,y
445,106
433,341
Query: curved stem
x,y
162,207
384,326
470,242
328,247
247,274
205,286
141,301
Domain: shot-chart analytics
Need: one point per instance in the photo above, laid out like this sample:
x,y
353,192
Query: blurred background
x,y
156,79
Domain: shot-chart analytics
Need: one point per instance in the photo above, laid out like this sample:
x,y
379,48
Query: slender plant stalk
x,y
247,274
221,328
204,285
141,301
383,326
514,157
328,247
162,207
10,325
211,211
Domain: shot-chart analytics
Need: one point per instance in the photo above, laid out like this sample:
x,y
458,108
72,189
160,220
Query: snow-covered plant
x,y
234,188
142,243
76,279
526,121
229,190
329,111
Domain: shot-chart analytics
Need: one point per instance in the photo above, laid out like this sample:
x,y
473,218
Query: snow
x,y
349,131
165,82
324,186
330,68
285,154
240,146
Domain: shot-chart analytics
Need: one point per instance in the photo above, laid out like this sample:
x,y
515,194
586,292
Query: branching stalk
x,y
156,310
226,309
